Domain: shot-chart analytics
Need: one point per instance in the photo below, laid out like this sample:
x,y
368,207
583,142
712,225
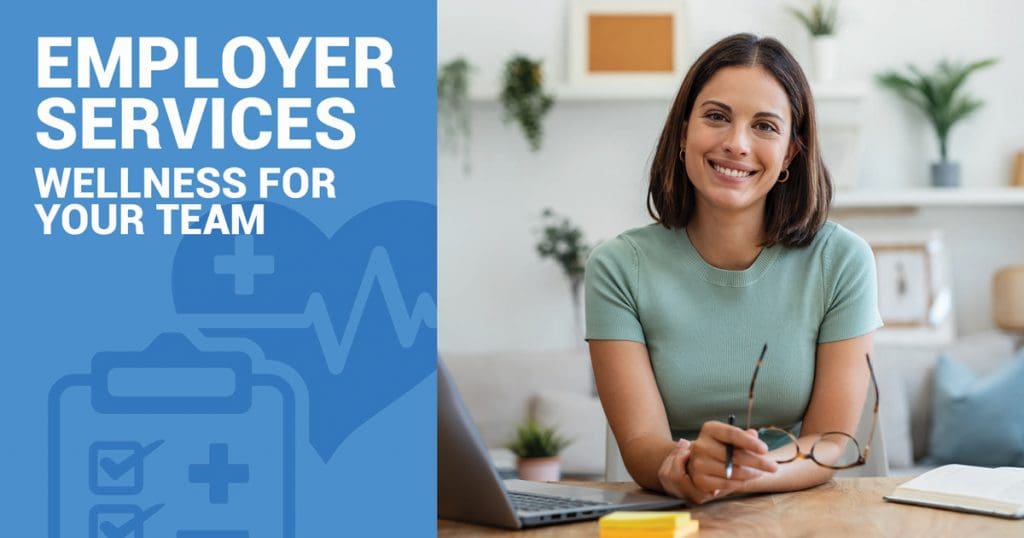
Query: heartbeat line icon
x,y
336,351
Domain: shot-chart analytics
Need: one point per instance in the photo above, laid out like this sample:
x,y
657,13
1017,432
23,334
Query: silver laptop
x,y
469,488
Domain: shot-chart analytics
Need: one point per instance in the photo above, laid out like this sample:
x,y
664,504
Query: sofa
x,y
501,390
905,380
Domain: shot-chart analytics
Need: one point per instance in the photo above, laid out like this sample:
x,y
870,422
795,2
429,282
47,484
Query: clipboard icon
x,y
171,441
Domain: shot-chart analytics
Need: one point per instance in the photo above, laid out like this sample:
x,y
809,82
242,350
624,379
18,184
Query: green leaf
x,y
964,107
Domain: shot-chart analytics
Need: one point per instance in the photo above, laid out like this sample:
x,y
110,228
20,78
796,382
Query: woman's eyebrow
x,y
728,108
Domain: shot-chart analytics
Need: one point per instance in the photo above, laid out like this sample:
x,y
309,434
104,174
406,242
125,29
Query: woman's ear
x,y
791,154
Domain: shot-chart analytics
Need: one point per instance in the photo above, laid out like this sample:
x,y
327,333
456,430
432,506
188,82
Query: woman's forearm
x,y
799,474
643,457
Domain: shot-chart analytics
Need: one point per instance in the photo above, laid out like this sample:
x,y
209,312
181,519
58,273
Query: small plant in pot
x,y
537,448
820,20
940,96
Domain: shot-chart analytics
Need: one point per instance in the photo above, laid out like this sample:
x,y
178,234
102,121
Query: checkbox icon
x,y
119,520
116,467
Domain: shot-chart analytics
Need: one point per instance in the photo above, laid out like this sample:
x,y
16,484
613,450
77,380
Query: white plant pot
x,y
823,52
540,469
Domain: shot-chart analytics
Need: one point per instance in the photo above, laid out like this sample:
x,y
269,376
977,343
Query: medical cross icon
x,y
218,474
244,265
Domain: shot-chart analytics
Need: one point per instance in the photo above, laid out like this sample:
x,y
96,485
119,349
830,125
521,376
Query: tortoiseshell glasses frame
x,y
862,454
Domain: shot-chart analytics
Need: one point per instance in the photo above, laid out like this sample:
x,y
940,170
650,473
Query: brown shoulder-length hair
x,y
795,210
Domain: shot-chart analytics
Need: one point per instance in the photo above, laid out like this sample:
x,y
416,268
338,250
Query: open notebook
x,y
983,490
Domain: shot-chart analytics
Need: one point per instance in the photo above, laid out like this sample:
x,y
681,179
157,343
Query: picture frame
x,y
623,45
905,294
914,297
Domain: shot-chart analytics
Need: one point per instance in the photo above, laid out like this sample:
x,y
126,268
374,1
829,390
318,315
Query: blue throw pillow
x,y
977,421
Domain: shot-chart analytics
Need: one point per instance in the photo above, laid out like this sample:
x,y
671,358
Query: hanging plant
x,y
564,242
453,119
523,97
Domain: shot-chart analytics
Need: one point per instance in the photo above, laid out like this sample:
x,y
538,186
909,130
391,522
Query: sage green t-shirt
x,y
704,327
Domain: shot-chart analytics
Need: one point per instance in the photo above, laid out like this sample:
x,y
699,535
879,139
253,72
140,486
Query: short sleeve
x,y
851,288
612,282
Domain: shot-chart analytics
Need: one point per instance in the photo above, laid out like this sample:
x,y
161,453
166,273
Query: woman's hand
x,y
674,479
672,475
706,465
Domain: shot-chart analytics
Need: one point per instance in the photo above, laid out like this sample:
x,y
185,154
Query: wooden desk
x,y
842,507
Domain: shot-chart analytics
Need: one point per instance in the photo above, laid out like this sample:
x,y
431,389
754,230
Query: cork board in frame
x,y
619,44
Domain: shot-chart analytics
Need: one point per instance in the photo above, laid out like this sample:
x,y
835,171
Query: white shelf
x,y
929,197
833,91
639,92
830,92
583,93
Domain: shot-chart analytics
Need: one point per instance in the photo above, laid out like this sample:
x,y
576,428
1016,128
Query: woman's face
x,y
737,139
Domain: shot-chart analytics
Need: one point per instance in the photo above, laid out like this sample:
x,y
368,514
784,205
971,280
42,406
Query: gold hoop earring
x,y
784,177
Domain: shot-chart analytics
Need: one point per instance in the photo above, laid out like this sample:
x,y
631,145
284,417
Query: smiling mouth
x,y
731,172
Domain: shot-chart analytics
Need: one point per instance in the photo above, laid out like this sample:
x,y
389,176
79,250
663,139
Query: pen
x,y
728,452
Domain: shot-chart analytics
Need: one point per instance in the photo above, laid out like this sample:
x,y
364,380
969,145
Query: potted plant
x,y
453,118
940,97
536,448
820,21
563,241
523,97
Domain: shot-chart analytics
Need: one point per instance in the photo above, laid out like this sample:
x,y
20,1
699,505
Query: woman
x,y
741,256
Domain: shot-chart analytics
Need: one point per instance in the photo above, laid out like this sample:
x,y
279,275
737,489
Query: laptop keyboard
x,y
528,502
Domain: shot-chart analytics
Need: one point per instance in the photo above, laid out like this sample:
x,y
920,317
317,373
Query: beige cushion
x,y
580,418
497,387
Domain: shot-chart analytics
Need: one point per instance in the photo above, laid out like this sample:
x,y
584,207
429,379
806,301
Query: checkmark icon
x,y
116,467
101,525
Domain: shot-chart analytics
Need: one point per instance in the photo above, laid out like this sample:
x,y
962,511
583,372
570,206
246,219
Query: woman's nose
x,y
737,142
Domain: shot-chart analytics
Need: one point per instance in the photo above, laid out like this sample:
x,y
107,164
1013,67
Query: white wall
x,y
496,294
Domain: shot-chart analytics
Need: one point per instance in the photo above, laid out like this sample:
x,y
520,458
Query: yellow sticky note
x,y
644,520
689,528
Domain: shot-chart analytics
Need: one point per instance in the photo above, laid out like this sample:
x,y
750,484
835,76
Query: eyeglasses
x,y
835,450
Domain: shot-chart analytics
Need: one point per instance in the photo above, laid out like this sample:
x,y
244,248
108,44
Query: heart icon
x,y
354,314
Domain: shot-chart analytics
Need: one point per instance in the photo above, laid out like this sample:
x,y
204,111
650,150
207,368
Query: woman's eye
x,y
766,127
715,116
